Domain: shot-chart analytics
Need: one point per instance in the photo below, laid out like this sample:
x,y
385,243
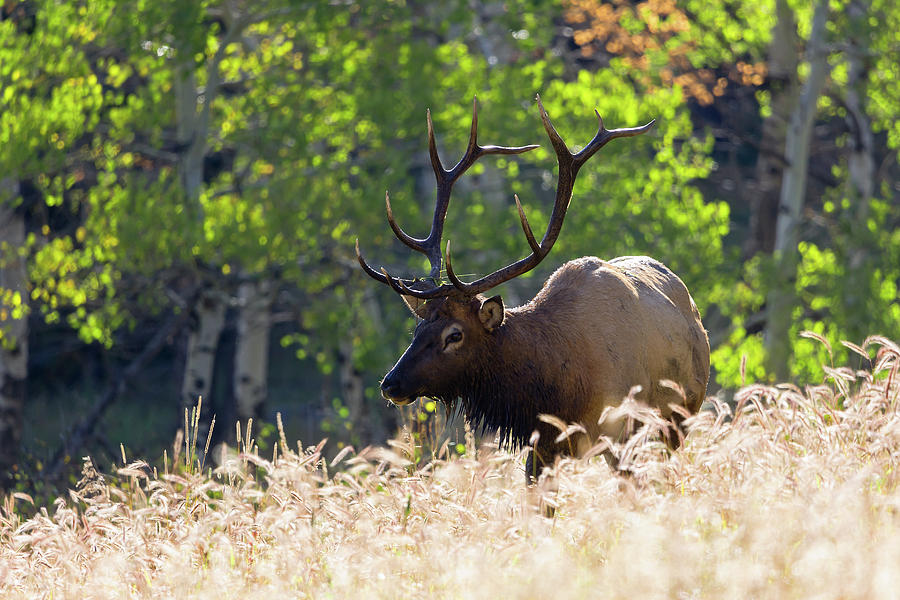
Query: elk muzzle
x,y
392,389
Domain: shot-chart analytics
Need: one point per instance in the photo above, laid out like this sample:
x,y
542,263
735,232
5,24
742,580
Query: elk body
x,y
594,331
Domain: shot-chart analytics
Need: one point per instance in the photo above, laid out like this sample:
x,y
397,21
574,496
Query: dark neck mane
x,y
507,390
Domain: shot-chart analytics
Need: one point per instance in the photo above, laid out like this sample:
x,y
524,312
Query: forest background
x,y
182,185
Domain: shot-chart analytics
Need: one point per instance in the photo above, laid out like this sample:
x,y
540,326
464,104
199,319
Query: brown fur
x,y
593,332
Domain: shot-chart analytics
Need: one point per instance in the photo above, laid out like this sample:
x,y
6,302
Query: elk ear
x,y
491,313
416,305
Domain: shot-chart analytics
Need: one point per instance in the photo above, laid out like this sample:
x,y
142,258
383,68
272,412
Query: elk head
x,y
459,326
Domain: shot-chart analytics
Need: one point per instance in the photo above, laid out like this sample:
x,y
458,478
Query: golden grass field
x,y
796,497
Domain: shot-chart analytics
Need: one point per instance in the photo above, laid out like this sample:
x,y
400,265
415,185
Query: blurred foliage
x,y
311,110
697,47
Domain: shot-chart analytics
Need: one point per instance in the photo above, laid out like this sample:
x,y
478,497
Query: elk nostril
x,y
388,383
390,391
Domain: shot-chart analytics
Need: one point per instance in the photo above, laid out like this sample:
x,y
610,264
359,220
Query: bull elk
x,y
594,331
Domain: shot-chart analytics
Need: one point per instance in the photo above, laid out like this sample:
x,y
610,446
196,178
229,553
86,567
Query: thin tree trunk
x,y
861,168
192,122
352,389
783,88
208,314
193,106
251,355
207,322
861,156
782,297
189,133
13,328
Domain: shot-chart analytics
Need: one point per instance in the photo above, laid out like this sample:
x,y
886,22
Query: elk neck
x,y
520,376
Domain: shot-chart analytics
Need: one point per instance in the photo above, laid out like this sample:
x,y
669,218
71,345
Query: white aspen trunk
x,y
251,355
192,110
13,326
189,133
861,157
207,322
782,298
782,63
861,171
208,318
192,119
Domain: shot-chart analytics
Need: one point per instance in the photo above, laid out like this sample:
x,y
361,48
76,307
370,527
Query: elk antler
x,y
431,245
569,164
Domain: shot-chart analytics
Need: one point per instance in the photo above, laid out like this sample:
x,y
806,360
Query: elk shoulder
x,y
622,323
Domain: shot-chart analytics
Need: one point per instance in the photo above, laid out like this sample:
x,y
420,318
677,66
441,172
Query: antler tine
x,y
425,246
414,243
395,282
474,151
600,139
555,140
451,275
604,136
432,148
529,235
399,285
365,266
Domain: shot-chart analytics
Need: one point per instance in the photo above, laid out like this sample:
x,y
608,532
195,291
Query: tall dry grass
x,y
796,497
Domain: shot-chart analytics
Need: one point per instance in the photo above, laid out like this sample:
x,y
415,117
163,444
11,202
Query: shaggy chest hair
x,y
507,391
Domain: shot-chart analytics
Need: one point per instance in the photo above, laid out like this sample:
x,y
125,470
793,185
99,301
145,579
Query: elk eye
x,y
453,338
